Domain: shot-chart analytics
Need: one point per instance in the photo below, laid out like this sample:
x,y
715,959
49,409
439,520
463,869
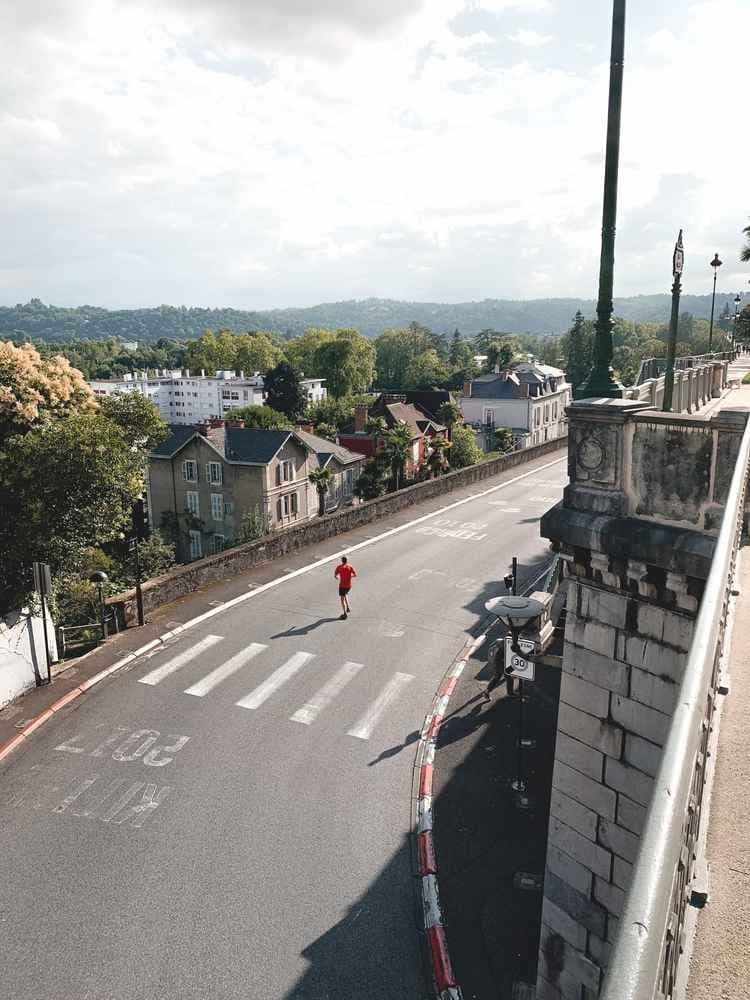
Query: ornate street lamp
x,y
737,301
715,264
678,260
601,380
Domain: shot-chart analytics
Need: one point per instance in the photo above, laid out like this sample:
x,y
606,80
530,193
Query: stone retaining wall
x,y
187,579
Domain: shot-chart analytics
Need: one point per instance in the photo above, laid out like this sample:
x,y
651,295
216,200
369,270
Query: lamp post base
x,y
601,383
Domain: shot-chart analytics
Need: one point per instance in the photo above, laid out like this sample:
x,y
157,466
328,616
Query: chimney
x,y
306,427
524,387
186,373
360,418
242,375
236,424
216,422
203,372
203,428
497,367
467,389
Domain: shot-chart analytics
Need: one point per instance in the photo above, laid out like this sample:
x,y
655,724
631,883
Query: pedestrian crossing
x,y
282,675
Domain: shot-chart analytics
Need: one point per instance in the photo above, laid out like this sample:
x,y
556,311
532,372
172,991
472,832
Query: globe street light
x,y
715,264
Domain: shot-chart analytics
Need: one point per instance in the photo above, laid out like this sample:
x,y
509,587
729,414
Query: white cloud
x,y
531,39
219,153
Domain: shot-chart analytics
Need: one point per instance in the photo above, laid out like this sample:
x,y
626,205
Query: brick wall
x,y
232,562
622,664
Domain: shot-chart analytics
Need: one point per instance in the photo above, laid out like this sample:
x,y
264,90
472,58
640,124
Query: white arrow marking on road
x,y
309,712
209,682
179,661
366,724
277,678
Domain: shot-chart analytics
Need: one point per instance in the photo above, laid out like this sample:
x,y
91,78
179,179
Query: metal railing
x,y
647,951
654,367
76,637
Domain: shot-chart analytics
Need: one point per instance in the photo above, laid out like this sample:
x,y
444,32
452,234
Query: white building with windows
x,y
530,398
185,397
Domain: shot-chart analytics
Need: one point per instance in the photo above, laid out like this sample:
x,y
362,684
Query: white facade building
x,y
530,398
183,397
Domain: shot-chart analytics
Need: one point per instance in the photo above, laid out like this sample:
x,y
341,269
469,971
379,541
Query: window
x,y
217,506
546,413
192,503
488,417
218,543
286,506
190,472
215,473
196,549
537,416
228,507
287,471
554,411
348,483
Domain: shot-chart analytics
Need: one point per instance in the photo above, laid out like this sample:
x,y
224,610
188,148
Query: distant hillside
x,y
370,316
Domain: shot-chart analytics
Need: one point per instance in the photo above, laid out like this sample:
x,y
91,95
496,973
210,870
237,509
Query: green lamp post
x,y
601,380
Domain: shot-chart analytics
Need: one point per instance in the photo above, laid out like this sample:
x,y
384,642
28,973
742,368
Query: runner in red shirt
x,y
344,573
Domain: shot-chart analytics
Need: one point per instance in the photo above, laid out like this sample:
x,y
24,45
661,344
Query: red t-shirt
x,y
345,572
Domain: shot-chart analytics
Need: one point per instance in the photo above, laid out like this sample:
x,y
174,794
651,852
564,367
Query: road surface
x,y
229,817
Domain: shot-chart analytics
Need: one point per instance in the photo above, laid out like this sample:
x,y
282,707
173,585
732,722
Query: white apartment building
x,y
183,397
530,398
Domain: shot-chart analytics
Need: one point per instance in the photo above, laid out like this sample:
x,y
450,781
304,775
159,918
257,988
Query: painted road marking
x,y
138,745
309,712
179,661
256,698
79,789
365,725
210,681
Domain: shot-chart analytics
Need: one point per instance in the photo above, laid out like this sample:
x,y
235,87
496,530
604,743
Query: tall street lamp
x,y
715,264
601,380
678,259
737,301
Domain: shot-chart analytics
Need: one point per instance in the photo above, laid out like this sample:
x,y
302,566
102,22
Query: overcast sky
x,y
261,153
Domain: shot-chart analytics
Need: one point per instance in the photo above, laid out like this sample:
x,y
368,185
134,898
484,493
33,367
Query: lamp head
x,y
98,576
716,262
515,612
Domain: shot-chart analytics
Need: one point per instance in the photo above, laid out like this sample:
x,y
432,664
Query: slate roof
x,y
325,449
252,446
179,435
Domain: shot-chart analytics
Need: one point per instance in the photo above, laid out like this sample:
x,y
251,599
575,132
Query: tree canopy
x,y
284,391
263,418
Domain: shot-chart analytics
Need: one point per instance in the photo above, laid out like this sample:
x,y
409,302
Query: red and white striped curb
x,y
442,972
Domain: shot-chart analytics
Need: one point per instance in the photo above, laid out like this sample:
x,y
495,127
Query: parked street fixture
x,y
715,264
678,259
516,613
737,302
99,577
601,380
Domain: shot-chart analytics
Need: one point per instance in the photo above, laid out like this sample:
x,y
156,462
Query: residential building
x,y
394,409
185,397
203,479
530,398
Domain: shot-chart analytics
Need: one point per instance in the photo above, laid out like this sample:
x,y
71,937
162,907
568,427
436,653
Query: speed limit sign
x,y
515,665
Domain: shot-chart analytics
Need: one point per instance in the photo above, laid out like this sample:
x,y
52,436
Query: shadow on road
x,y
304,629
392,751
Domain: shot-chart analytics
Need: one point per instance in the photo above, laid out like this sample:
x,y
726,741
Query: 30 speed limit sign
x,y
515,665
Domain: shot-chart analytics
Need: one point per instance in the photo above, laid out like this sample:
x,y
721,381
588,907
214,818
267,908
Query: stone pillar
x,y
717,380
636,529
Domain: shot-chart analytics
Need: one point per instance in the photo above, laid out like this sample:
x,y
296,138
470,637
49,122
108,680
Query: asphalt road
x,y
229,818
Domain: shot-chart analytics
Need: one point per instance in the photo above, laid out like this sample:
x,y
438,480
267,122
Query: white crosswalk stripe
x,y
158,675
210,681
264,691
310,711
365,725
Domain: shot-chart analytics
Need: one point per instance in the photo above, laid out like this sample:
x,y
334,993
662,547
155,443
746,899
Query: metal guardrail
x,y
654,367
647,951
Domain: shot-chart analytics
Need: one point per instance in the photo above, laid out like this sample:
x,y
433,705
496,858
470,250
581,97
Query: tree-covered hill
x,y
35,320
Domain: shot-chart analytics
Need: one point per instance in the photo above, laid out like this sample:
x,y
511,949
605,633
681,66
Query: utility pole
x,y
678,259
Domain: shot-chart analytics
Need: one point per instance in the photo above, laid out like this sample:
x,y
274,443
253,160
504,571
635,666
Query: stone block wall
x,y
623,659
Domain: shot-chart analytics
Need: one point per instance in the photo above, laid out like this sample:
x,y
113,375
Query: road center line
x,y
179,661
309,712
256,698
364,726
210,681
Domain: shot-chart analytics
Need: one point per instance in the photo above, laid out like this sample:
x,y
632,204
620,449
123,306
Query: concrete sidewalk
x,y
720,962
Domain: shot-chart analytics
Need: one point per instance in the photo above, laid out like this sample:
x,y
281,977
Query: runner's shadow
x,y
303,629
392,751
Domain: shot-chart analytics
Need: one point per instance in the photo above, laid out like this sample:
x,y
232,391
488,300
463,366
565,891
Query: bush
x,y
255,523
464,450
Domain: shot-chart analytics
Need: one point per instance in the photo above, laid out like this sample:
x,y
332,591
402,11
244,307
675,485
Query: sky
x,y
271,153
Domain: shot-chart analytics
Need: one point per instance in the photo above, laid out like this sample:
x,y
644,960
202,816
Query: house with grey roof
x,y
203,480
530,398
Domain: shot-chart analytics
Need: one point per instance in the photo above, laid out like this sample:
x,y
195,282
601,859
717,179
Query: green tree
x,y
376,427
745,252
577,346
321,480
743,326
396,351
263,418
449,415
398,448
256,352
137,417
437,461
464,450
254,523
346,362
500,354
302,352
425,371
373,480
284,391
503,440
